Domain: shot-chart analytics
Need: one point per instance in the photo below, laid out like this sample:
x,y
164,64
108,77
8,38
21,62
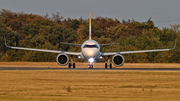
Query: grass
x,y
59,85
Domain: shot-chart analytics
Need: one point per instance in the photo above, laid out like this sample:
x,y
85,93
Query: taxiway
x,y
127,69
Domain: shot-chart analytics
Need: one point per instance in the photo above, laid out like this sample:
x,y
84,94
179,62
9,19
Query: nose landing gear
x,y
90,66
91,60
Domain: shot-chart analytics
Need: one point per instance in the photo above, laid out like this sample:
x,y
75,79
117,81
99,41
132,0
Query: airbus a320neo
x,y
90,51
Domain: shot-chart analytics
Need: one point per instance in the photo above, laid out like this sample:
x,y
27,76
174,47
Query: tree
x,y
2,33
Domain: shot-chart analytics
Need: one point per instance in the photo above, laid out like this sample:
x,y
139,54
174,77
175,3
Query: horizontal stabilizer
x,y
109,44
70,44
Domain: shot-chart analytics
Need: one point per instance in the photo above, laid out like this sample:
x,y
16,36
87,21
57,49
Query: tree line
x,y
44,32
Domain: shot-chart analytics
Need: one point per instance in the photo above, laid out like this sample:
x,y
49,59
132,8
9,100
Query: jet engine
x,y
62,59
118,60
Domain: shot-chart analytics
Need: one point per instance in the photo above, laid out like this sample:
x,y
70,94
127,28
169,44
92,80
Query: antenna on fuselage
x,y
90,26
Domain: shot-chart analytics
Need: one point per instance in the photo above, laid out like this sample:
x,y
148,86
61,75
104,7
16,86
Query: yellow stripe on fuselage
x,y
90,18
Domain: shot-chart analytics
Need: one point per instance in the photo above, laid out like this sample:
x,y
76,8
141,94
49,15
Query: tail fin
x,y
90,26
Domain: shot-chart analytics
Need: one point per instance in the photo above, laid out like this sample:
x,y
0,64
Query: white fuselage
x,y
90,49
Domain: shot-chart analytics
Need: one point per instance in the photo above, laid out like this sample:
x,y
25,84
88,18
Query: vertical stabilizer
x,y
90,26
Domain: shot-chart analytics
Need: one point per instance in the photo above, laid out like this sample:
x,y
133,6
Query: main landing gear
x,y
71,63
69,66
106,65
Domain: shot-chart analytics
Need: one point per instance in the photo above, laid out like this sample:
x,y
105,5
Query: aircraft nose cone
x,y
90,53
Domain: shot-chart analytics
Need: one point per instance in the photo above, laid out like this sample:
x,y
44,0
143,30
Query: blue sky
x,y
163,12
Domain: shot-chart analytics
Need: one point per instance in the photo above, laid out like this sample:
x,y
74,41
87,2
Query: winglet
x,y
5,41
174,45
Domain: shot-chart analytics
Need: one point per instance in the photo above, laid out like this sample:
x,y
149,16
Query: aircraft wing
x,y
138,51
108,44
43,50
144,51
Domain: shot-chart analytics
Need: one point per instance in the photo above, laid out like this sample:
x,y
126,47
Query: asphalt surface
x,y
127,69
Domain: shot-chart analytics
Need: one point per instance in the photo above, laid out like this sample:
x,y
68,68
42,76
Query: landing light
x,y
91,60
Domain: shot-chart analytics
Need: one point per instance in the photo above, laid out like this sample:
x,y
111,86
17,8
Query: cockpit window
x,y
90,46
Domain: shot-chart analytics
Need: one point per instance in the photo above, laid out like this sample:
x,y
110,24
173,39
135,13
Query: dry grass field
x,y
90,85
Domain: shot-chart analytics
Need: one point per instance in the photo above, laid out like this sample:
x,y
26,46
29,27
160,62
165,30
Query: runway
x,y
122,69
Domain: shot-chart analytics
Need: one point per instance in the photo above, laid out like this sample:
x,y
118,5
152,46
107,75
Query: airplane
x,y
90,51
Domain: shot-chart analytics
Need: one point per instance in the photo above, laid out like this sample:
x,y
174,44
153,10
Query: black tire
x,y
110,65
106,65
74,66
90,66
69,66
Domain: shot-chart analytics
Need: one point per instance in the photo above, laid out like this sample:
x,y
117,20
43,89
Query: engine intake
x,y
62,59
118,60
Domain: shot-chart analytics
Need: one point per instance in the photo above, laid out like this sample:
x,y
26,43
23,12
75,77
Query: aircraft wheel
x,y
106,65
90,66
110,65
69,66
74,66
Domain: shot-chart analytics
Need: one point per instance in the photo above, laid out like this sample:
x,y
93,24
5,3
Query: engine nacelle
x,y
118,60
62,59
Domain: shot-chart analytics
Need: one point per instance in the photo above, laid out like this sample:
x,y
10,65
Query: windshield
x,y
90,46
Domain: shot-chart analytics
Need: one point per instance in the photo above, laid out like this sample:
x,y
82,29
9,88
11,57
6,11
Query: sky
x,y
163,12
